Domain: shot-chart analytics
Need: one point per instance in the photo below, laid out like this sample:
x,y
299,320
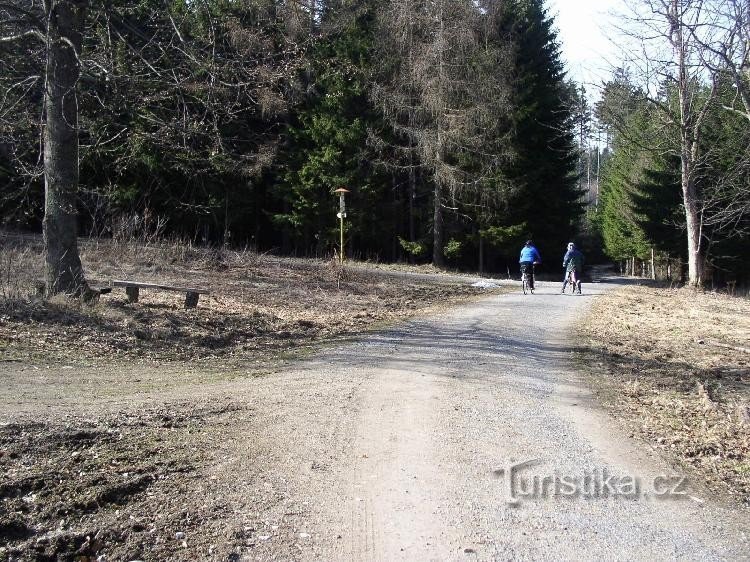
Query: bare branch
x,y
31,33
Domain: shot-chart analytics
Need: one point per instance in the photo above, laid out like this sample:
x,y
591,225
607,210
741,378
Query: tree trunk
x,y
225,235
412,199
438,259
690,202
397,218
653,264
481,255
588,174
63,269
695,254
689,134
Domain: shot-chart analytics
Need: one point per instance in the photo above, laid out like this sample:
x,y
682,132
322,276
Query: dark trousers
x,y
528,268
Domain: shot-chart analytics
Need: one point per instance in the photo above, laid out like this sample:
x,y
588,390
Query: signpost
x,y
341,215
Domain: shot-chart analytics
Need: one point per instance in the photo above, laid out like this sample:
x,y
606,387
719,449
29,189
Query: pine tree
x,y
327,144
544,170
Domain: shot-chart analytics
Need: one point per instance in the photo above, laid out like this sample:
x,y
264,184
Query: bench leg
x,y
191,300
132,293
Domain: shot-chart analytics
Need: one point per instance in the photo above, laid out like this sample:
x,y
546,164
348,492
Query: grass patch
x,y
258,303
673,364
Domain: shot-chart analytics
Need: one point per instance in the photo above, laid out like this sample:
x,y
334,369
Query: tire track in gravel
x,y
414,421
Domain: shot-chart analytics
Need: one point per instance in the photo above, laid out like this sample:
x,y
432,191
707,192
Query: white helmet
x,y
571,245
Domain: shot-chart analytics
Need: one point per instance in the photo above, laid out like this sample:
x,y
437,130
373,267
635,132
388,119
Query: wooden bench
x,y
132,289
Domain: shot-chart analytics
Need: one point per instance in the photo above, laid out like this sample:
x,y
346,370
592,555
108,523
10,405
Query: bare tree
x,y
724,38
59,25
670,60
446,91
725,45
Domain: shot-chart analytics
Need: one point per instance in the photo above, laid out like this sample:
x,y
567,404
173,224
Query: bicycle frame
x,y
527,278
574,284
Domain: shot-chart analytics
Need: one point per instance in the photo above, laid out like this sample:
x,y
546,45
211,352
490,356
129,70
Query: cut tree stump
x,y
132,290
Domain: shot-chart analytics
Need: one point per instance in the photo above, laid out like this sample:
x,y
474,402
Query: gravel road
x,y
394,445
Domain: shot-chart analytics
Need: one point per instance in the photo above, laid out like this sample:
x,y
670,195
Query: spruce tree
x,y
327,141
621,109
548,200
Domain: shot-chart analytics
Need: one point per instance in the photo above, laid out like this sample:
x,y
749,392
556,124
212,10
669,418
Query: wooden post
x,y
191,300
341,241
132,293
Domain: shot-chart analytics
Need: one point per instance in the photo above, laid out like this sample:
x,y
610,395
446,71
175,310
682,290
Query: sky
x,y
584,26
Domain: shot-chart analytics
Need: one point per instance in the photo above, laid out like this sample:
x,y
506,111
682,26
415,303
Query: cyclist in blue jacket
x,y
529,257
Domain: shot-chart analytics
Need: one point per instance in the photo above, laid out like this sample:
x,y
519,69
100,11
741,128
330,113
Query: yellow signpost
x,y
341,215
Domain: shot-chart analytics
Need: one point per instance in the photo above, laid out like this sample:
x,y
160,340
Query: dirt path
x,y
388,448
392,445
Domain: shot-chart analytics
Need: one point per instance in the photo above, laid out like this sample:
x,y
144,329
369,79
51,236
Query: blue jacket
x,y
529,254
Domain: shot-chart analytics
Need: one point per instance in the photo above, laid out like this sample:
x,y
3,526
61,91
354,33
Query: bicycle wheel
x,y
524,283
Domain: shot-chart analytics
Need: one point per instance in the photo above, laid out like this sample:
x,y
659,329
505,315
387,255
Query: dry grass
x,y
257,302
675,365
113,458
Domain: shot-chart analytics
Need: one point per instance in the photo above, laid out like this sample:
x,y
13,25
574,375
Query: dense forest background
x,y
452,124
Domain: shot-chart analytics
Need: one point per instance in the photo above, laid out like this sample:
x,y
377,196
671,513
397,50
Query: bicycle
x,y
573,284
527,279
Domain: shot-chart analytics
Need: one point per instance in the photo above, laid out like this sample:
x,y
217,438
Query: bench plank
x,y
132,289
101,287
140,285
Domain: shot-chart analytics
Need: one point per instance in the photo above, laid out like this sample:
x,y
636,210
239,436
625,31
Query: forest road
x,y
397,447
